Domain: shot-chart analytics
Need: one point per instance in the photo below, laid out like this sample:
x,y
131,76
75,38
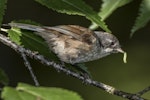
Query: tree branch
x,y
27,64
147,89
109,89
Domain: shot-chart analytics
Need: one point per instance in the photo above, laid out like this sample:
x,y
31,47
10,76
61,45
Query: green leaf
x,y
10,93
108,7
2,9
28,92
143,18
74,7
3,78
31,41
15,35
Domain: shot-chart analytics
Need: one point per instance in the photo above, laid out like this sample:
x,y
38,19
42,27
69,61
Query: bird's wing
x,y
77,32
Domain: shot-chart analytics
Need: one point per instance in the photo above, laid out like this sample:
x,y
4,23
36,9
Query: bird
x,y
75,44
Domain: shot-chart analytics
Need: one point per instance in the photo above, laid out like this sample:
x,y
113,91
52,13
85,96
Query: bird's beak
x,y
120,50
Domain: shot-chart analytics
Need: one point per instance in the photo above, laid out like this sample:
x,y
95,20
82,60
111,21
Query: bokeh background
x,y
131,77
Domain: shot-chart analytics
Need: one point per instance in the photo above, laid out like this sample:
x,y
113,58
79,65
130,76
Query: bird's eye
x,y
112,43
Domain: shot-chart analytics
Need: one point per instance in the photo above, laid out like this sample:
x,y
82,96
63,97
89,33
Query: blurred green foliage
x,y
28,92
2,9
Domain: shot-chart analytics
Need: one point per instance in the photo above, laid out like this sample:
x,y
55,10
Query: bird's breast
x,y
71,50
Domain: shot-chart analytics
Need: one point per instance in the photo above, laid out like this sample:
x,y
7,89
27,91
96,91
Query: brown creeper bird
x,y
75,44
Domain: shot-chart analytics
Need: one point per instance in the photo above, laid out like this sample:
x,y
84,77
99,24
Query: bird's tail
x,y
27,27
39,30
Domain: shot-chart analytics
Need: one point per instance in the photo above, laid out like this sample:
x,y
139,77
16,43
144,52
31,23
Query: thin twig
x,y
40,58
27,64
147,89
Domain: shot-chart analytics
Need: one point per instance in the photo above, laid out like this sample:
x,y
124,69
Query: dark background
x,y
131,77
